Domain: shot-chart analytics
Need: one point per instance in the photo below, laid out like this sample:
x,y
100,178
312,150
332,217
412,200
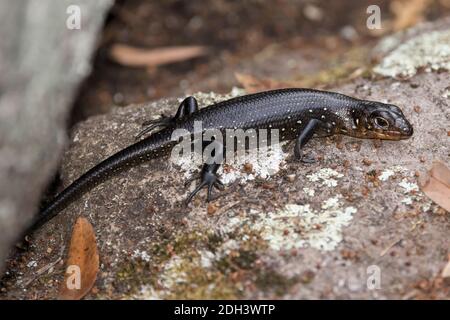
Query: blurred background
x,y
290,40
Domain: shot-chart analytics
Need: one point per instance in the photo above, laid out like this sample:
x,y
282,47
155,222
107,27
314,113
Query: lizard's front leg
x,y
187,107
305,135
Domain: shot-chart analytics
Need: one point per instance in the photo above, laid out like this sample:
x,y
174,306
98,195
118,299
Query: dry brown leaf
x,y
252,84
139,57
436,185
446,271
408,13
82,263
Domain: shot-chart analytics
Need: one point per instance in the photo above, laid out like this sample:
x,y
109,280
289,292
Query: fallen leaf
x,y
408,12
436,185
140,57
446,271
252,84
440,172
211,209
82,263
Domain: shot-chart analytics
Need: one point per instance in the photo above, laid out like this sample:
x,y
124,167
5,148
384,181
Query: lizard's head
x,y
378,120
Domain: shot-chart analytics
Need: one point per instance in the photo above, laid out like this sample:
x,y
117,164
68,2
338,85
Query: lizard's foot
x,y
301,157
209,180
308,159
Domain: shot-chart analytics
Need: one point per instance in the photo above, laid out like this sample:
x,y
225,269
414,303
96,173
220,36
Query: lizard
x,y
298,114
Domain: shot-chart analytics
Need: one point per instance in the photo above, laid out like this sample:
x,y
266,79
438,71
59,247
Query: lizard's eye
x,y
381,122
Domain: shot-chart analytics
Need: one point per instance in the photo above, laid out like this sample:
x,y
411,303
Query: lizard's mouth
x,y
392,135
384,134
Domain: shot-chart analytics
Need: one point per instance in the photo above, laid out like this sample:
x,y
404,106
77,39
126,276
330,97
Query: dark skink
x,y
296,113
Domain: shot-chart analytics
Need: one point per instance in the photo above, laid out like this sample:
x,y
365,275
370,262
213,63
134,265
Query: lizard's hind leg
x,y
208,175
187,107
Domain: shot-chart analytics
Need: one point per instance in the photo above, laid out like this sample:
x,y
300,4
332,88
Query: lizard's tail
x,y
139,152
80,186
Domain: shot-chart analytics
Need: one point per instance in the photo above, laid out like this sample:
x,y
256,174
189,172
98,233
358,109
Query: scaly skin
x,y
297,113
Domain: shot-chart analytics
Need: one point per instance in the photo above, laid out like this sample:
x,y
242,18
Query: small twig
x,y
226,207
394,243
44,269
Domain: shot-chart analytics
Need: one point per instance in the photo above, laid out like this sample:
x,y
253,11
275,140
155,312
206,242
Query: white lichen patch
x,y
430,51
173,273
265,162
309,192
331,202
389,172
407,200
143,255
408,186
408,191
385,175
188,164
325,176
207,259
230,244
298,226
426,206
147,292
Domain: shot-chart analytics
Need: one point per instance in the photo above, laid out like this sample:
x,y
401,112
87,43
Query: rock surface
x,y
424,47
352,225
41,64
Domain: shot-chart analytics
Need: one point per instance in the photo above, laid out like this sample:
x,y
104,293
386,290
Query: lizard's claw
x,y
149,125
299,156
209,180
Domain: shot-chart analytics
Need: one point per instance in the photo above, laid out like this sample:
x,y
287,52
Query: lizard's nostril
x,y
408,131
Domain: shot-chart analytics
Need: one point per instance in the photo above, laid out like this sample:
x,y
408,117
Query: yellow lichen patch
x,y
184,277
205,265
352,63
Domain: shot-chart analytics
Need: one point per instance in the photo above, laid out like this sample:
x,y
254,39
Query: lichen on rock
x,y
429,51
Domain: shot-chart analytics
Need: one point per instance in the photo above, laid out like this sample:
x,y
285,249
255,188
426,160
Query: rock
x,y
41,63
425,47
355,230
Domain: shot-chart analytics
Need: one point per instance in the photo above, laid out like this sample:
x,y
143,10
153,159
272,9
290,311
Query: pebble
x,y
291,177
